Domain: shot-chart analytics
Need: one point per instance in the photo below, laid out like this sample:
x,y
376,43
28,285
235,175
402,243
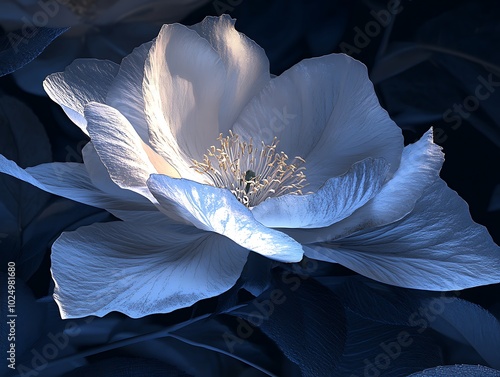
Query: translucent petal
x,y
324,110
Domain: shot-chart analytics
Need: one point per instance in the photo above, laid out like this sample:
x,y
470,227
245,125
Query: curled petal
x,y
436,247
420,166
217,210
338,198
82,82
121,150
125,93
182,88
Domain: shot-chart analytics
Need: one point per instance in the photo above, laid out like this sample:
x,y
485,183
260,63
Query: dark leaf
x,y
228,339
22,139
471,28
57,339
375,301
420,95
18,48
468,324
479,85
459,82
376,349
127,367
304,318
167,350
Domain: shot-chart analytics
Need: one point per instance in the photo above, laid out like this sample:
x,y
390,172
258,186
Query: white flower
x,y
193,203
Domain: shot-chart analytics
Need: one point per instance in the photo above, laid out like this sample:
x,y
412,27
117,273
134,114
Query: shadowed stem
x,y
163,333
227,353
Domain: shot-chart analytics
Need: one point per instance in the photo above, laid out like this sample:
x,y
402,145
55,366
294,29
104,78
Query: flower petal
x,y
83,81
324,110
420,166
125,93
73,181
337,199
183,85
217,210
99,176
69,180
247,66
437,247
121,150
140,268
133,206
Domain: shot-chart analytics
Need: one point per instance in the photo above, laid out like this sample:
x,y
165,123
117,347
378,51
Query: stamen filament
x,y
252,174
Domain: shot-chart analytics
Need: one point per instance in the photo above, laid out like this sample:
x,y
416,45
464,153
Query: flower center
x,y
252,174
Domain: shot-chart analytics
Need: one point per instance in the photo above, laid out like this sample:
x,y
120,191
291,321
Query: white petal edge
x,y
69,180
121,150
419,168
246,63
135,206
324,110
338,198
183,86
82,82
139,268
217,210
125,93
99,176
437,247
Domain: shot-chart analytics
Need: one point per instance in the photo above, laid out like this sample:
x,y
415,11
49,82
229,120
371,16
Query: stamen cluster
x,y
252,174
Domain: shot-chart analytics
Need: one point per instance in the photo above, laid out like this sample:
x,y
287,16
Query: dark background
x,y
416,87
